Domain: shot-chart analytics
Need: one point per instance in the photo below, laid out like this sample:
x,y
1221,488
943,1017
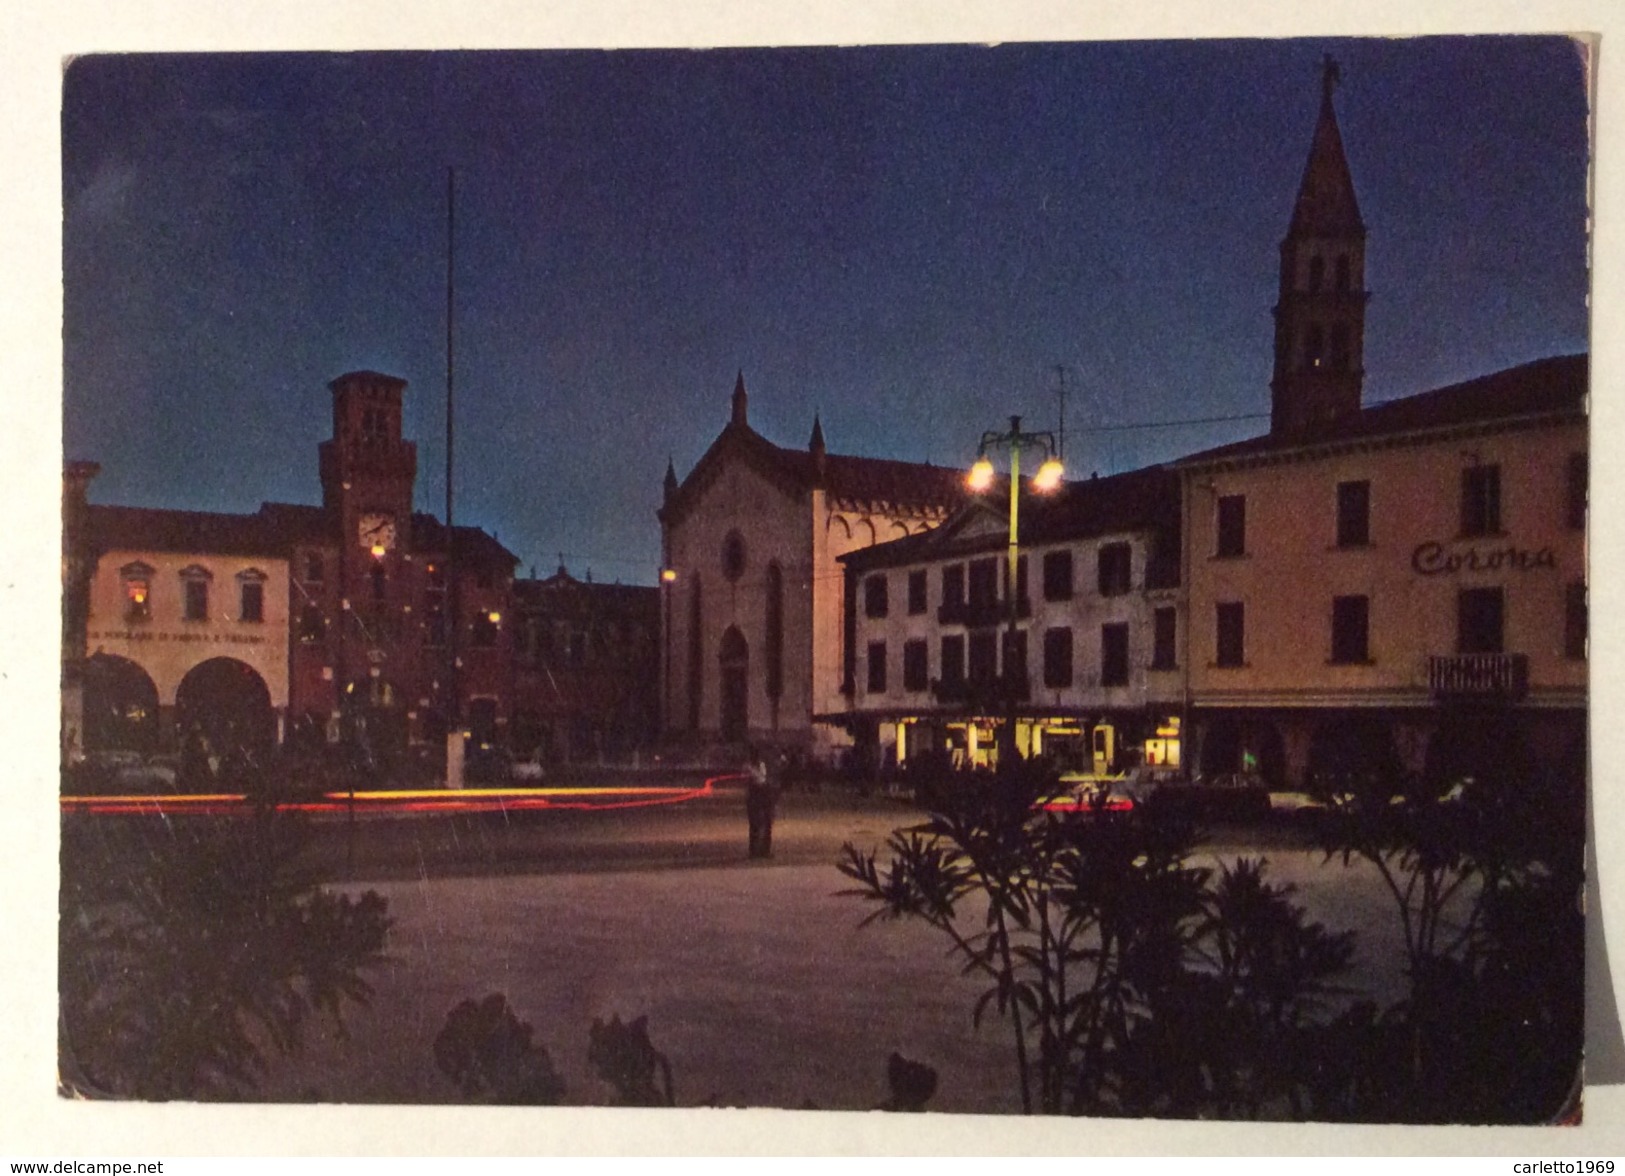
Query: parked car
x,y
1093,794
122,771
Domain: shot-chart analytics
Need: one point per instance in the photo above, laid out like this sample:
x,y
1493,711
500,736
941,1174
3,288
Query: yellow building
x,y
1408,586
187,624
1397,587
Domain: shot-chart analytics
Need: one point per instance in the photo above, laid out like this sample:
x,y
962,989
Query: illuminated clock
x,y
377,531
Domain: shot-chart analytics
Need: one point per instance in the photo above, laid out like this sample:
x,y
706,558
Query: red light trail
x,y
417,801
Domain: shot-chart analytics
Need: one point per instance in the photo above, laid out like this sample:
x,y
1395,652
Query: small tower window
x,y
1317,274
379,581
1314,346
1343,273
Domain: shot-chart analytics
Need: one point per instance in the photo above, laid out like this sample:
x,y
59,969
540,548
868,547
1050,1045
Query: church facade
x,y
751,592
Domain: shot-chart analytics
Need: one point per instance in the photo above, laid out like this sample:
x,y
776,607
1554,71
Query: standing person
x,y
773,782
197,772
758,806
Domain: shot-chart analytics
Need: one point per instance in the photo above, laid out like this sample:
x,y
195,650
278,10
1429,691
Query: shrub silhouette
x,y
194,950
1133,984
487,1052
623,1056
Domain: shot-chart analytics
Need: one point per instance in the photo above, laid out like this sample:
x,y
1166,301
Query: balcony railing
x,y
981,614
1478,675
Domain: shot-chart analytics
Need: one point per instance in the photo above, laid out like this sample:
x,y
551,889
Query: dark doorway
x,y
735,698
228,701
1354,753
120,707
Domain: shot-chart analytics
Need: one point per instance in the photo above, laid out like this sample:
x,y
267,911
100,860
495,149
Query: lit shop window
x,y
137,580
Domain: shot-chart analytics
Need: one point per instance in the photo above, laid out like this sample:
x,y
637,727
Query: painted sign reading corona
x,y
1431,559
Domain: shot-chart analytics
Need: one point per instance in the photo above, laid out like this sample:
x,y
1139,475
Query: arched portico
x,y
229,702
120,706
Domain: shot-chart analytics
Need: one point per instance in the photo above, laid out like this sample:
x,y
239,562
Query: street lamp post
x,y
1047,478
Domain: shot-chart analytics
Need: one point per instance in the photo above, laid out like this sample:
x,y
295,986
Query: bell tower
x,y
1320,310
367,468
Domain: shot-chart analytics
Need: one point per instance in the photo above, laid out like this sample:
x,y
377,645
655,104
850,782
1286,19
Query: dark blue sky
x,y
907,240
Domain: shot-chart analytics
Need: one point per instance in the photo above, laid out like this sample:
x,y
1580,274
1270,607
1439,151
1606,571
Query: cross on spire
x,y
1331,76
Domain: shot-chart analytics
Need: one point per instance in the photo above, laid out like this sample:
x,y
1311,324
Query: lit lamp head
x,y
668,575
1048,476
494,617
378,550
981,474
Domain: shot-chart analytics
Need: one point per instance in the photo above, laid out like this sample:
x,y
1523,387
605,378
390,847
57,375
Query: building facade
x,y
586,670
1407,588
186,625
1083,661
751,603
312,622
1391,588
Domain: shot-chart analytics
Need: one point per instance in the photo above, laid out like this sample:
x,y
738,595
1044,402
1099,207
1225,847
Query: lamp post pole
x,y
1047,477
1007,746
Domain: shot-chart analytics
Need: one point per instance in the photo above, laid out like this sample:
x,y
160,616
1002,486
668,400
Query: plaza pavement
x,y
759,984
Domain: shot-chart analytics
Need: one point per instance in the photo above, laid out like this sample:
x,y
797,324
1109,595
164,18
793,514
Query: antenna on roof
x,y
1060,436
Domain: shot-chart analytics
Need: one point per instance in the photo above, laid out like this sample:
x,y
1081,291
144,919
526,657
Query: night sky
x,y
906,240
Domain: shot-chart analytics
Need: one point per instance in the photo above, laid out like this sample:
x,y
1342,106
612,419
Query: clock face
x,y
377,530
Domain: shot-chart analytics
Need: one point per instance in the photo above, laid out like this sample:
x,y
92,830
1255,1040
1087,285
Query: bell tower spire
x,y
1320,311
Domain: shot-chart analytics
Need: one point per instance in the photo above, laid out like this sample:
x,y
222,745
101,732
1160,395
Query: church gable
x,y
735,452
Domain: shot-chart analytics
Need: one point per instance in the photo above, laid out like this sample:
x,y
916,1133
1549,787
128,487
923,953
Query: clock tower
x,y
367,472
367,469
